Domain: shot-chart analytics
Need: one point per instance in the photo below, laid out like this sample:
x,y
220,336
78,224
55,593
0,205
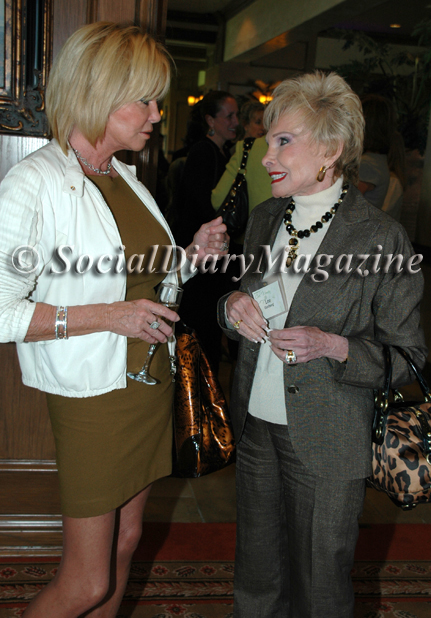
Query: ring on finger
x,y
290,357
155,325
224,246
237,324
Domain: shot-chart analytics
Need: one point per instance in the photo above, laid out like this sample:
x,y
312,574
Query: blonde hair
x,y
331,111
102,67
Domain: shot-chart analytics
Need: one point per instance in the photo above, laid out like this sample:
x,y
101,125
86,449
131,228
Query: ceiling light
x,y
395,26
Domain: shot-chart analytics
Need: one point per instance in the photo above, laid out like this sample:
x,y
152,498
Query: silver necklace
x,y
94,169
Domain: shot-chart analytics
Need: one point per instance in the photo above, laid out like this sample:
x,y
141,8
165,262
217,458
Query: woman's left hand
x,y
307,343
210,239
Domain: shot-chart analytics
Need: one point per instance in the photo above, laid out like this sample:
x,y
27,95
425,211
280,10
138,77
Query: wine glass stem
x,y
153,347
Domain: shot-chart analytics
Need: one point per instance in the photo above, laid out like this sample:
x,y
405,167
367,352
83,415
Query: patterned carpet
x,y
392,574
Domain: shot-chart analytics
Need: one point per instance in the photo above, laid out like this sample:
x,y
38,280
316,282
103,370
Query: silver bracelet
x,y
61,323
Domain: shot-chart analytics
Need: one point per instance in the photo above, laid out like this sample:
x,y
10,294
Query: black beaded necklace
x,y
296,235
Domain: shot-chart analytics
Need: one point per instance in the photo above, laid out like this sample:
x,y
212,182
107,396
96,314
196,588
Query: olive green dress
x,y
112,446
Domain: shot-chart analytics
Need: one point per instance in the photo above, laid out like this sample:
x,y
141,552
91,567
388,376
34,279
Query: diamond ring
x,y
155,325
290,357
224,246
236,324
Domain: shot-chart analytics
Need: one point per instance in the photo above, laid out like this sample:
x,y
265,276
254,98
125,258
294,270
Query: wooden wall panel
x,y
25,430
69,15
106,10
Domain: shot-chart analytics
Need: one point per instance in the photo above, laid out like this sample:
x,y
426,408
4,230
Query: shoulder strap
x,y
248,143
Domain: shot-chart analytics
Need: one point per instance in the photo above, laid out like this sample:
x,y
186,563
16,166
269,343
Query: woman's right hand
x,y
133,319
245,312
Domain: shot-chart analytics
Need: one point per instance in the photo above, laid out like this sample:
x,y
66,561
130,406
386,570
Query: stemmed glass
x,y
168,295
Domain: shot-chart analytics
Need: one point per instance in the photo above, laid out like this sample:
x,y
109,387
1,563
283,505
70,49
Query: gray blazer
x,y
329,405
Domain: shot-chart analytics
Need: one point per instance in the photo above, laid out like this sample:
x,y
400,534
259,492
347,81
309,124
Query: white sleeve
x,y
20,257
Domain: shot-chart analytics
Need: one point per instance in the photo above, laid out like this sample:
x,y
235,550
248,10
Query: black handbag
x,y
234,208
203,437
402,442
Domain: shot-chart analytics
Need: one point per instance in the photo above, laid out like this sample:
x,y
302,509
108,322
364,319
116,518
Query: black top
x,y
203,169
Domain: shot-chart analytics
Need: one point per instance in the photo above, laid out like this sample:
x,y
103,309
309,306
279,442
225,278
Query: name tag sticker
x,y
271,299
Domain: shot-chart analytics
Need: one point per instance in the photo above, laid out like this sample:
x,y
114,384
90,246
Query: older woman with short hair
x,y
81,304
311,327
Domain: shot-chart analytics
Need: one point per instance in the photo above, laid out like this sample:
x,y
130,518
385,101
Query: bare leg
x,y
83,580
128,534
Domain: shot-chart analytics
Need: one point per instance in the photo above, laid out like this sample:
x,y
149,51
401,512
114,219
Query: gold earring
x,y
321,174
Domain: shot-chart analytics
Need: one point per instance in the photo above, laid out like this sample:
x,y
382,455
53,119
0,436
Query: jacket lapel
x,y
266,223
344,236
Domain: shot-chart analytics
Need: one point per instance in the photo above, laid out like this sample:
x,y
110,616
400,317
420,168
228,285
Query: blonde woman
x,y
81,318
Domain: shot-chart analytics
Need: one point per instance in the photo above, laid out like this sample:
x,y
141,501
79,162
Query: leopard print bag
x,y
203,436
402,443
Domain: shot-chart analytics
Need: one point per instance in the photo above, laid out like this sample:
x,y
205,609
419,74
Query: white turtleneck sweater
x,y
267,395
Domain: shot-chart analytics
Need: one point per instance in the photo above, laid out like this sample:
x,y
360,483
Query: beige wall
x,y
265,20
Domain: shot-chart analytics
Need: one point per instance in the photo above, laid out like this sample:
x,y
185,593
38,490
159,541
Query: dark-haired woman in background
x,y
206,162
203,169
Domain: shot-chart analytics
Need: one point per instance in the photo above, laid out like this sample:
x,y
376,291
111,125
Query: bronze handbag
x,y
203,437
402,442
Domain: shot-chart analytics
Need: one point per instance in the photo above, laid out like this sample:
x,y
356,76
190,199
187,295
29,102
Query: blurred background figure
x,y
206,162
382,173
398,177
251,120
258,180
162,194
374,170
195,133
203,168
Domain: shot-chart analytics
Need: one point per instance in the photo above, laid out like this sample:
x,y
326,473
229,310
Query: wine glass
x,y
168,295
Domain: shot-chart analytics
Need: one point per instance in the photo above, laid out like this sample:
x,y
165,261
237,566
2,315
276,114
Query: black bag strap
x,y
240,176
248,143
381,407
419,377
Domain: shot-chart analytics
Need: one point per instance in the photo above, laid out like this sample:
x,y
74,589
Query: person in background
x,y
393,203
203,168
251,120
195,133
380,127
258,181
311,355
80,330
206,162
162,194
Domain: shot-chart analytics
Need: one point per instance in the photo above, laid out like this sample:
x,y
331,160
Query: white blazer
x,y
45,202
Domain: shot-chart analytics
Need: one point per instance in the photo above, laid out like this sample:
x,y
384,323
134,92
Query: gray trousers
x,y
296,532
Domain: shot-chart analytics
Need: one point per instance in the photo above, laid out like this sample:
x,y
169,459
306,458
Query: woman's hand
x,y
308,343
244,313
210,239
133,319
